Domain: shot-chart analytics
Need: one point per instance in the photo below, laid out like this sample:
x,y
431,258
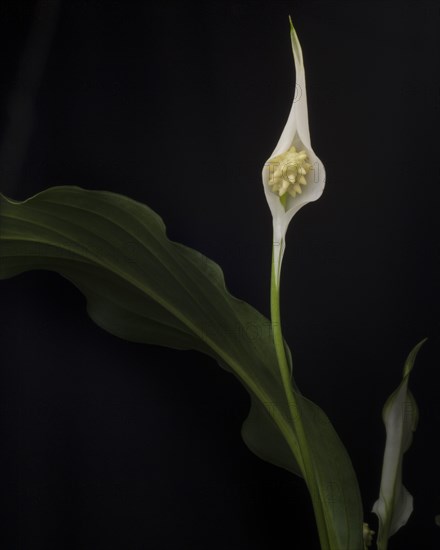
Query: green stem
x,y
292,401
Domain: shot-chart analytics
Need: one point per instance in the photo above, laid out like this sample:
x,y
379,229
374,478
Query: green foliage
x,y
142,287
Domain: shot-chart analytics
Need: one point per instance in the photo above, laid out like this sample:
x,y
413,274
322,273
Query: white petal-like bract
x,y
295,134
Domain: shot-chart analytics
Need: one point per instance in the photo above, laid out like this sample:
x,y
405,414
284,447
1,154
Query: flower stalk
x,y
292,177
304,459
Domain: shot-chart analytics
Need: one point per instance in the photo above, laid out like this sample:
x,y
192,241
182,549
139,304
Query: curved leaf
x,y
142,287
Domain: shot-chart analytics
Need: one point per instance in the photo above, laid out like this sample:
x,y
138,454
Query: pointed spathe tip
x,y
409,363
296,46
292,30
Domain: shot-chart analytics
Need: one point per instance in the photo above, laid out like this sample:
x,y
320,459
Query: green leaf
x,y
142,287
400,416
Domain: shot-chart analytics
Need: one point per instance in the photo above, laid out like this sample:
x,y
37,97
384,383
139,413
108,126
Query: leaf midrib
x,y
264,398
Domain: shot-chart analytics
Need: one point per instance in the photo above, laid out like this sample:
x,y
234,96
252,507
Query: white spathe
x,y
296,133
400,416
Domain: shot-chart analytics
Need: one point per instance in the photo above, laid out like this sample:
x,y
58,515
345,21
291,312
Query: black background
x,y
107,444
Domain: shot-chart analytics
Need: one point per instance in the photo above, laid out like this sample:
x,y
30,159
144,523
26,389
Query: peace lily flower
x,y
400,415
368,535
293,176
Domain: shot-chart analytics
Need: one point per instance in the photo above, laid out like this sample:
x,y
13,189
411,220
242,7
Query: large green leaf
x,y
142,287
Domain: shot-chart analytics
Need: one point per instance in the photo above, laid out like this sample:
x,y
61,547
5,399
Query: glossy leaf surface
x,y
142,287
